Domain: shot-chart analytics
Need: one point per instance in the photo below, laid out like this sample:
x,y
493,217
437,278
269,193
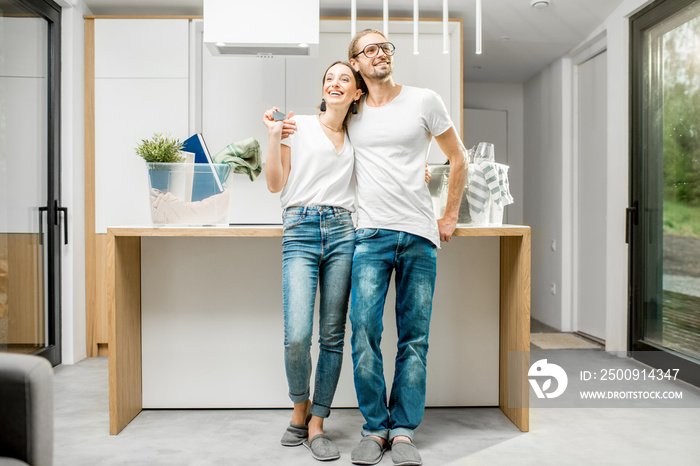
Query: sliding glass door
x,y
30,178
665,185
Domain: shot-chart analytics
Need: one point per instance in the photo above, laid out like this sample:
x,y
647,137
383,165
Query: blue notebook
x,y
205,182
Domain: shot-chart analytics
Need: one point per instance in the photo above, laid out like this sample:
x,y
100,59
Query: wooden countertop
x,y
266,231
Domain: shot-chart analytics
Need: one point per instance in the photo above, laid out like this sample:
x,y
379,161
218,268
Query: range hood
x,y
261,27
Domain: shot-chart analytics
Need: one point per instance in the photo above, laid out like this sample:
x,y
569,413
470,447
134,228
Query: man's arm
x,y
451,145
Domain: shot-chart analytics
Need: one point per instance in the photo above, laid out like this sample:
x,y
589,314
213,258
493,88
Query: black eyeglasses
x,y
372,50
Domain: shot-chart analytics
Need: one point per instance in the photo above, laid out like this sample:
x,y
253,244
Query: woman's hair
x,y
353,43
359,84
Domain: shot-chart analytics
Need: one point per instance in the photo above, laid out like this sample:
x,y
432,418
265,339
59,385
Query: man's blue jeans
x,y
317,250
377,254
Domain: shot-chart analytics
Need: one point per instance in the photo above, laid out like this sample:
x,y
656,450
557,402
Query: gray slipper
x,y
322,448
369,451
405,453
295,435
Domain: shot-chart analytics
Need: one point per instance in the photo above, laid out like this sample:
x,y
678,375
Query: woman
x,y
313,169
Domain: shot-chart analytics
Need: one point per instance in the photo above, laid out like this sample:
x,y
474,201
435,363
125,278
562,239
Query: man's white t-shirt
x,y
391,145
319,176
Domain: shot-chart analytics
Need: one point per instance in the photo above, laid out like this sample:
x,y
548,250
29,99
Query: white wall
x,y
542,180
508,97
73,326
548,175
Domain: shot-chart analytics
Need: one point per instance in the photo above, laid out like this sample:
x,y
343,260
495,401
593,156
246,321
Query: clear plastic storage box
x,y
189,193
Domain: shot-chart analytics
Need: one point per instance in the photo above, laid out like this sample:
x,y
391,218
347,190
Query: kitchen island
x,y
124,294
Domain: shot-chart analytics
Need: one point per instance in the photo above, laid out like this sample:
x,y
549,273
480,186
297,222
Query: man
x,y
396,232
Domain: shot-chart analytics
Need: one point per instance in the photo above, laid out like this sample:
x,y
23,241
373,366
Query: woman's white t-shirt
x,y
319,176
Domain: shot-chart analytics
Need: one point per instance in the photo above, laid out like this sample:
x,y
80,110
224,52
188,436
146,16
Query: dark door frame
x,y
51,12
638,213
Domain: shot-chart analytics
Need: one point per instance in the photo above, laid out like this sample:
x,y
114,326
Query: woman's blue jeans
x,y
378,253
317,250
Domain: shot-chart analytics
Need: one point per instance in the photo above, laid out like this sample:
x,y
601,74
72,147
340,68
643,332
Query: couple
x,y
372,159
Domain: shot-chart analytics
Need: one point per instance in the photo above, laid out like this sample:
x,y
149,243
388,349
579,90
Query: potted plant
x,y
159,150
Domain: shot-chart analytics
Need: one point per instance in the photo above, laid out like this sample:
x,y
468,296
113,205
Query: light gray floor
x,y
457,436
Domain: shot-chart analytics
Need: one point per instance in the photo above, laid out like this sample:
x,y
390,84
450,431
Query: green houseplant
x,y
158,150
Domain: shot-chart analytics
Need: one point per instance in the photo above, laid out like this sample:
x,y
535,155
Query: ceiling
x,y
518,41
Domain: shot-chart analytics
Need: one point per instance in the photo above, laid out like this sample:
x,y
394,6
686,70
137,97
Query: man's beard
x,y
380,75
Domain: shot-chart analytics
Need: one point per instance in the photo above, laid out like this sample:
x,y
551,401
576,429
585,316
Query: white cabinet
x,y
141,48
141,87
235,93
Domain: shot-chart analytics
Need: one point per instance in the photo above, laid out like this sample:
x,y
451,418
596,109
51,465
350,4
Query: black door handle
x,y
631,219
41,223
64,210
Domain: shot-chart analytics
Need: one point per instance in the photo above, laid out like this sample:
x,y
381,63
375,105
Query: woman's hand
x,y
274,127
285,127
428,175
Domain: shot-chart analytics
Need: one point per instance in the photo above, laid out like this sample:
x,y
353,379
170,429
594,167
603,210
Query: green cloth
x,y
242,156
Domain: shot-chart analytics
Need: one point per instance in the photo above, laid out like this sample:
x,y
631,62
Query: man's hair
x,y
353,43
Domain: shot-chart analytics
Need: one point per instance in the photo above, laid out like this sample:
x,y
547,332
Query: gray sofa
x,y
26,410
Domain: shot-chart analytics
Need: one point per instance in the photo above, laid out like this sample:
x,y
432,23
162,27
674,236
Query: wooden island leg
x,y
515,329
124,310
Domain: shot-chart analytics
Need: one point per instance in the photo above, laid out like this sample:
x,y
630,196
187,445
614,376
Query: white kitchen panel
x,y
252,202
305,80
127,111
305,75
236,91
24,46
214,339
141,48
23,147
430,68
